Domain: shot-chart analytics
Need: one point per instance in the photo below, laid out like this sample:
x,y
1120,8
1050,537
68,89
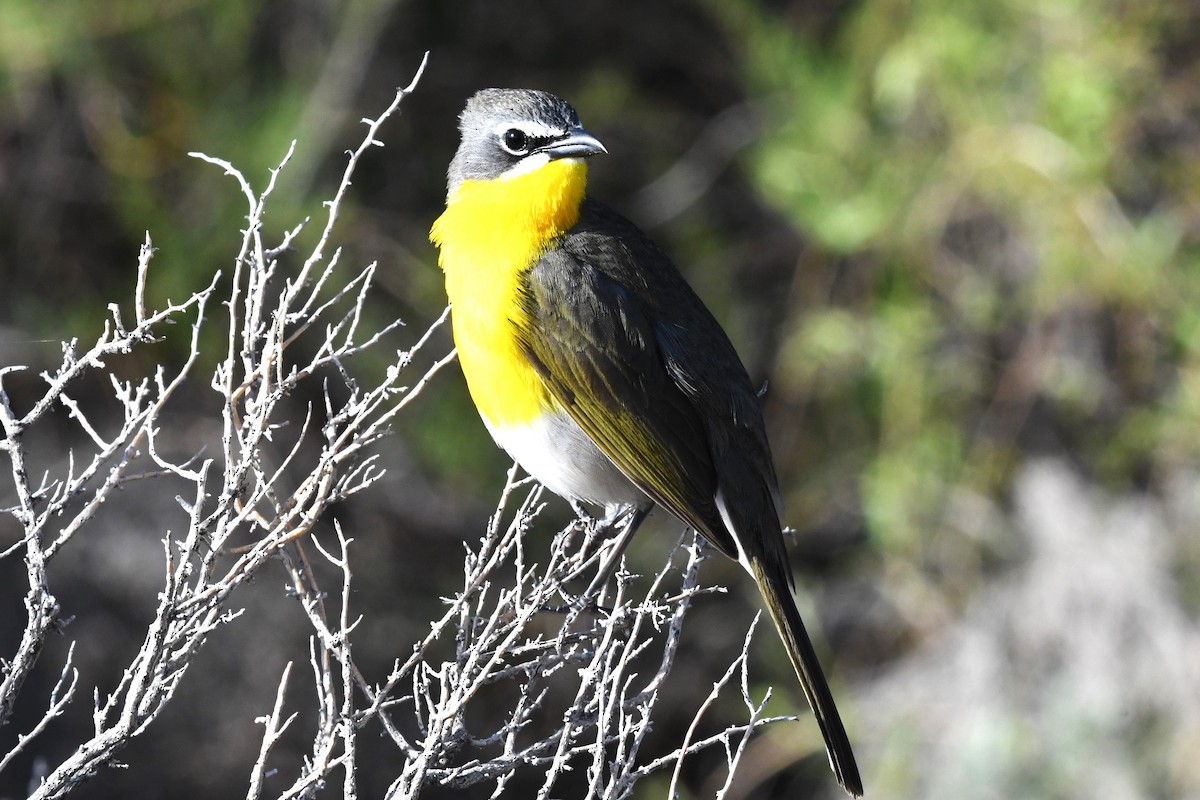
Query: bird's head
x,y
512,132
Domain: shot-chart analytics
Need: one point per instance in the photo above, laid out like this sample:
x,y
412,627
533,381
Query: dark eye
x,y
515,141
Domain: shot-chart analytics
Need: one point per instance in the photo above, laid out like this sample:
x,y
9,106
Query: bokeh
x,y
959,243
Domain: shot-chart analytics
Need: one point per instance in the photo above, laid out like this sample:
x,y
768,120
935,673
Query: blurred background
x,y
961,242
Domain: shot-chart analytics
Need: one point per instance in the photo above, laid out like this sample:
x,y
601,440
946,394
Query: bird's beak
x,y
576,144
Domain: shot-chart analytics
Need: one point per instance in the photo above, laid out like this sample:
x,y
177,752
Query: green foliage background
x,y
957,237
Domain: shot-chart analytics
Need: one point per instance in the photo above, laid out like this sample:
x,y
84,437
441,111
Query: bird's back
x,y
605,289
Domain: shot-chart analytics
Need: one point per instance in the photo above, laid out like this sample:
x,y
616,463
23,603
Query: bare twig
x,y
275,726
231,495
585,695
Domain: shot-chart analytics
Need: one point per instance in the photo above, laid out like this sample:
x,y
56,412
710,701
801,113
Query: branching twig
x,y
233,495
585,696
275,726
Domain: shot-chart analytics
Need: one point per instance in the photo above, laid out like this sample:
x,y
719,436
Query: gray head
x,y
511,131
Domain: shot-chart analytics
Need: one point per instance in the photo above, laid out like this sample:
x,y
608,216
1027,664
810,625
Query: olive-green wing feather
x,y
596,350
639,363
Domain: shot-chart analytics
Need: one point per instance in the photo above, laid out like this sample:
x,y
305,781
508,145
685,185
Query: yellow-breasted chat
x,y
595,365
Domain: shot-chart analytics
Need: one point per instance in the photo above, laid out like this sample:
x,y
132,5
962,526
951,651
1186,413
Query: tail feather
x,y
778,598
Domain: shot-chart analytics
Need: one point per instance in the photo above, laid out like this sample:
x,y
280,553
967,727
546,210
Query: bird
x,y
596,366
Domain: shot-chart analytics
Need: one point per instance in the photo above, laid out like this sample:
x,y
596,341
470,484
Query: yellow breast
x,y
490,234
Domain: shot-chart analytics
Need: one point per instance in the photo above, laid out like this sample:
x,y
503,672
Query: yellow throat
x,y
491,233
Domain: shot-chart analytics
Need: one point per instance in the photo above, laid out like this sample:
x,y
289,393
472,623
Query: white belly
x,y
560,455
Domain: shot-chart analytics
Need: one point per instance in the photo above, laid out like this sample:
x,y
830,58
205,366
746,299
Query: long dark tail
x,y
778,597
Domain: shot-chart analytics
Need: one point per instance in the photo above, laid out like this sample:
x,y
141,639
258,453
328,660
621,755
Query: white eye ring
x,y
515,141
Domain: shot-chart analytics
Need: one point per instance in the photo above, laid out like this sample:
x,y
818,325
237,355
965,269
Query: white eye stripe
x,y
531,128
532,163
526,165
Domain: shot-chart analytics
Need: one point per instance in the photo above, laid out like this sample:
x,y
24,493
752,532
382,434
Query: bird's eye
x,y
515,141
